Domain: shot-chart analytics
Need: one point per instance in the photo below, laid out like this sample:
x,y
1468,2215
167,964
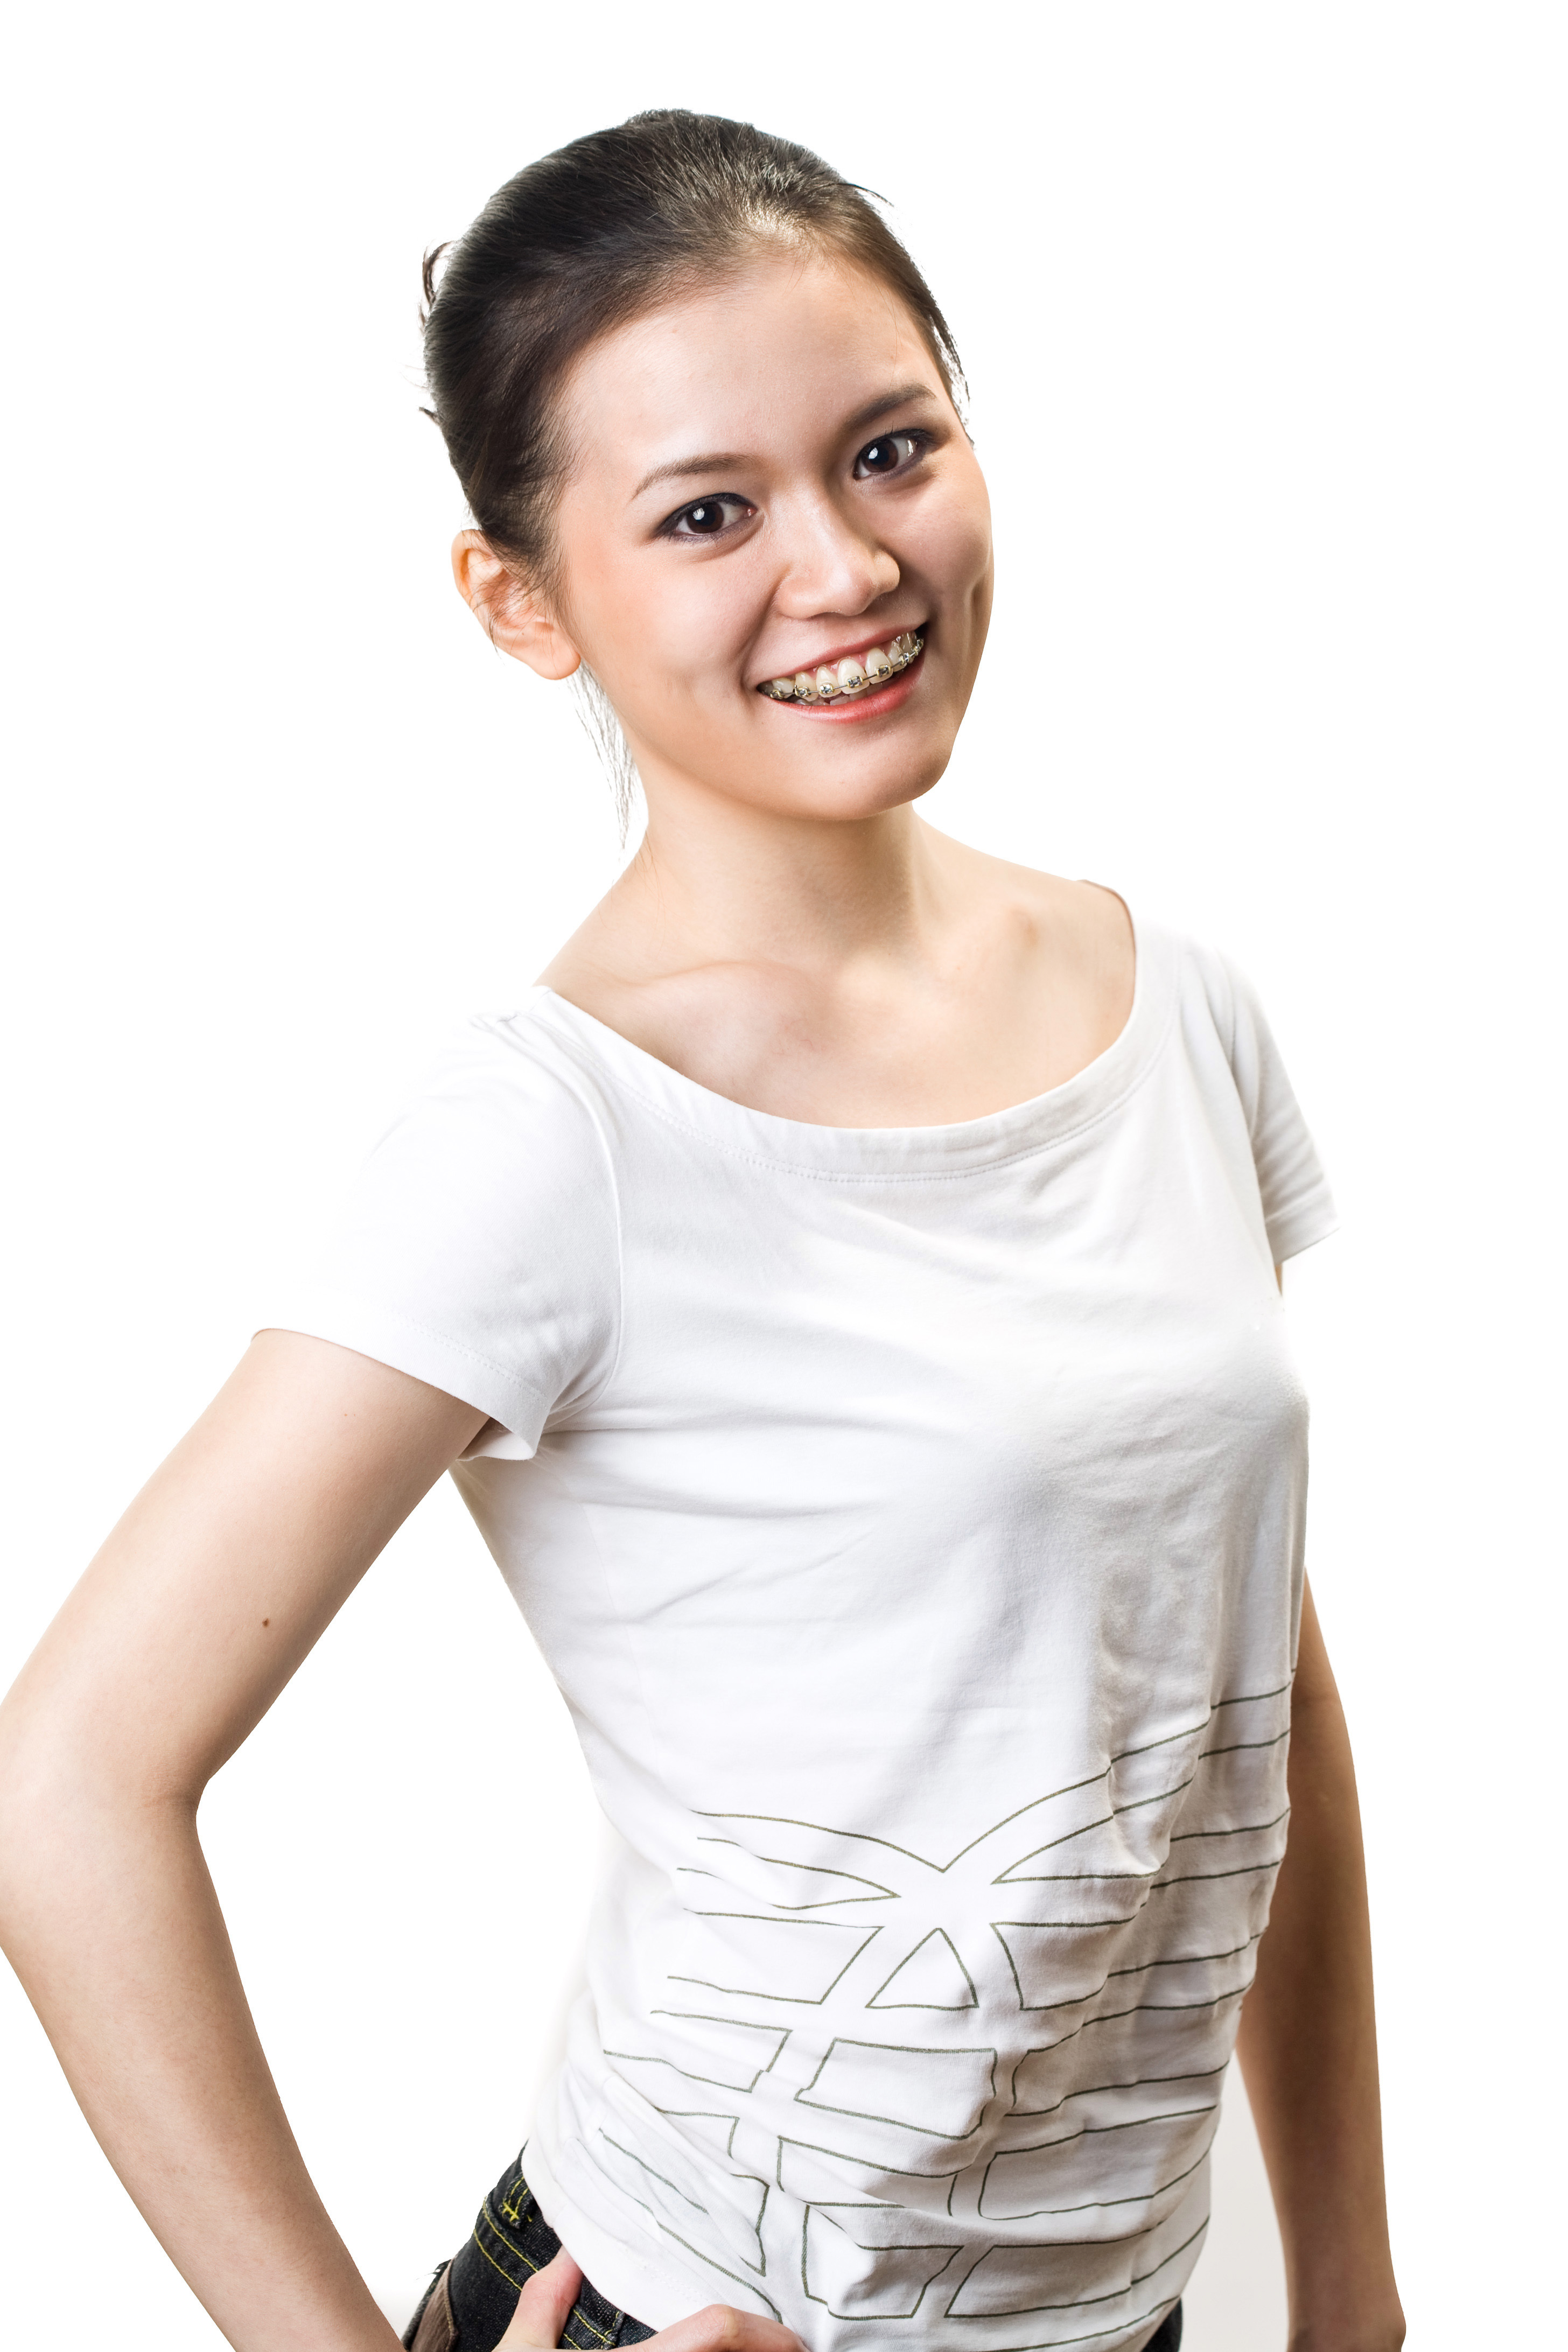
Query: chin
x,y
846,798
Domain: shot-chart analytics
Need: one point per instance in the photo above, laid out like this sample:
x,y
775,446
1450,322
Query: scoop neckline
x,y
951,1145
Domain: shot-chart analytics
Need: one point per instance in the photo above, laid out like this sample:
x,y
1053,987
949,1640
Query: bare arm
x,y
216,1584
1309,2044
224,1573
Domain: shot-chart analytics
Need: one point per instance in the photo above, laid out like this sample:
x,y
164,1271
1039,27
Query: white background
x,y
1263,312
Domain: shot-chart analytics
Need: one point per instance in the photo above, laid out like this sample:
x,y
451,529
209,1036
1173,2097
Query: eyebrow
x,y
715,461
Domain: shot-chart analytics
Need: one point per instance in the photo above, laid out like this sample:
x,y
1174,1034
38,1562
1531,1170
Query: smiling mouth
x,y
857,673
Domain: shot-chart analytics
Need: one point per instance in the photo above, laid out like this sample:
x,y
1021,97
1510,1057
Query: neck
x,y
717,881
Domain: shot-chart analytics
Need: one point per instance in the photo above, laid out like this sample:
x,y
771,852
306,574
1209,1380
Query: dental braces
x,y
848,678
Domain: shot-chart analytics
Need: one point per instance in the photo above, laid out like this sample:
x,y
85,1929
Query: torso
x,y
912,1518
1017,981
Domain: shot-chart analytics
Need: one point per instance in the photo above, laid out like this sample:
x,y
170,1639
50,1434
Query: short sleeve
x,y
479,1249
1298,1206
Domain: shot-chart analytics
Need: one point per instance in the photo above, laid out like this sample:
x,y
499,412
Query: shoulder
x,y
505,1117
509,1066
1216,1009
1089,920
1214,996
1078,926
479,1247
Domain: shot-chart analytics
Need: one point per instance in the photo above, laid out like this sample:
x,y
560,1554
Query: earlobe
x,y
509,611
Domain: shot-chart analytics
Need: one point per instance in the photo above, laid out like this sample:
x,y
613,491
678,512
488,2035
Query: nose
x,y
835,565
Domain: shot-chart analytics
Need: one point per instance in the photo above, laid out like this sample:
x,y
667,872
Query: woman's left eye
x,y
708,517
894,453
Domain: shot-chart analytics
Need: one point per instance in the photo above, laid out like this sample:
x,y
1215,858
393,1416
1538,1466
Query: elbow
x,y
70,1829
40,1829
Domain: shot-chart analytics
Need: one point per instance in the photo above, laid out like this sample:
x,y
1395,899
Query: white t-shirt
x,y
913,1519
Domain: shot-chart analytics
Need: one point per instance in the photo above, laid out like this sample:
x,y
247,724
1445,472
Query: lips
x,y
851,675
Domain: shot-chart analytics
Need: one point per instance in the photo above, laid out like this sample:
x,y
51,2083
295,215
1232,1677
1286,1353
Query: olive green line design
x,y
1081,2303
1077,2000
1211,1877
882,2319
1060,2246
827,1902
761,2268
1245,1746
1094,2335
1083,1877
1097,2090
1158,2009
1184,1959
1244,1828
1094,2204
1076,1927
898,2123
1147,1748
705,2115
643,2166
749,1993
743,2090
1015,1874
817,1869
904,2172
946,2008
1125,1756
746,2026
658,2221
1152,1883
1102,2131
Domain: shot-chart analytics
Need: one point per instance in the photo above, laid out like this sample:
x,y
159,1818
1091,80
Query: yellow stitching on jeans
x,y
489,2218
583,2320
497,2267
576,2312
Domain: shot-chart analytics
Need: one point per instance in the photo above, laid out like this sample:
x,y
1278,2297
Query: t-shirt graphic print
x,y
913,1519
1078,1930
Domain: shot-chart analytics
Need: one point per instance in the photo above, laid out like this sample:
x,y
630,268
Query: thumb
x,y
544,2306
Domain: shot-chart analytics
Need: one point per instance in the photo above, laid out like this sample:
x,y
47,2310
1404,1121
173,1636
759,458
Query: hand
x,y
545,2304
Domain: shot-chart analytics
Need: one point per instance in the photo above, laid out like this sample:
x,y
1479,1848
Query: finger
x,y
721,2329
544,2306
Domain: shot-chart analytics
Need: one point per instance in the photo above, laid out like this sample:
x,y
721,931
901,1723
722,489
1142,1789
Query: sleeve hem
x,y
1305,1223
424,1355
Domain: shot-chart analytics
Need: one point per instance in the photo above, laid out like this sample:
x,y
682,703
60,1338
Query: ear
x,y
511,613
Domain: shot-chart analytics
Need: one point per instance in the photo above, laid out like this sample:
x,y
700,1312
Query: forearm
x,y
1308,2047
110,1919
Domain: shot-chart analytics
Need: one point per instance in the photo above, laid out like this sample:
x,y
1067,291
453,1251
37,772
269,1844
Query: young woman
x,y
846,1295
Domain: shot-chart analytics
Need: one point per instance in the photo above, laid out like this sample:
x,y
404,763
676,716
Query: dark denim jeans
x,y
468,2305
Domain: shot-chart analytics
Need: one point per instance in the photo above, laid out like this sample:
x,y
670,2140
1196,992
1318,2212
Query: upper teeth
x,y
851,675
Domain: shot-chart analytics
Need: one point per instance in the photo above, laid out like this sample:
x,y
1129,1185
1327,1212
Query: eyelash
x,y
919,440
724,498
920,443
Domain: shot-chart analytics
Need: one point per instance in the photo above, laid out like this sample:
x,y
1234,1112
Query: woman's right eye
x,y
708,517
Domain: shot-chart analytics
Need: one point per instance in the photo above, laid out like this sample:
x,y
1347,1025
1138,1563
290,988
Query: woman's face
x,y
768,477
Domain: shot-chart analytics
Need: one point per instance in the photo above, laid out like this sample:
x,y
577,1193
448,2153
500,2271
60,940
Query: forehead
x,y
782,351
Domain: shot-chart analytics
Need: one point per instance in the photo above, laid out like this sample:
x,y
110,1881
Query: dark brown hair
x,y
590,237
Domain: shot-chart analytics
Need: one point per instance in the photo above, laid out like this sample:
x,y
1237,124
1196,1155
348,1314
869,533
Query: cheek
x,y
676,632
953,549
710,610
